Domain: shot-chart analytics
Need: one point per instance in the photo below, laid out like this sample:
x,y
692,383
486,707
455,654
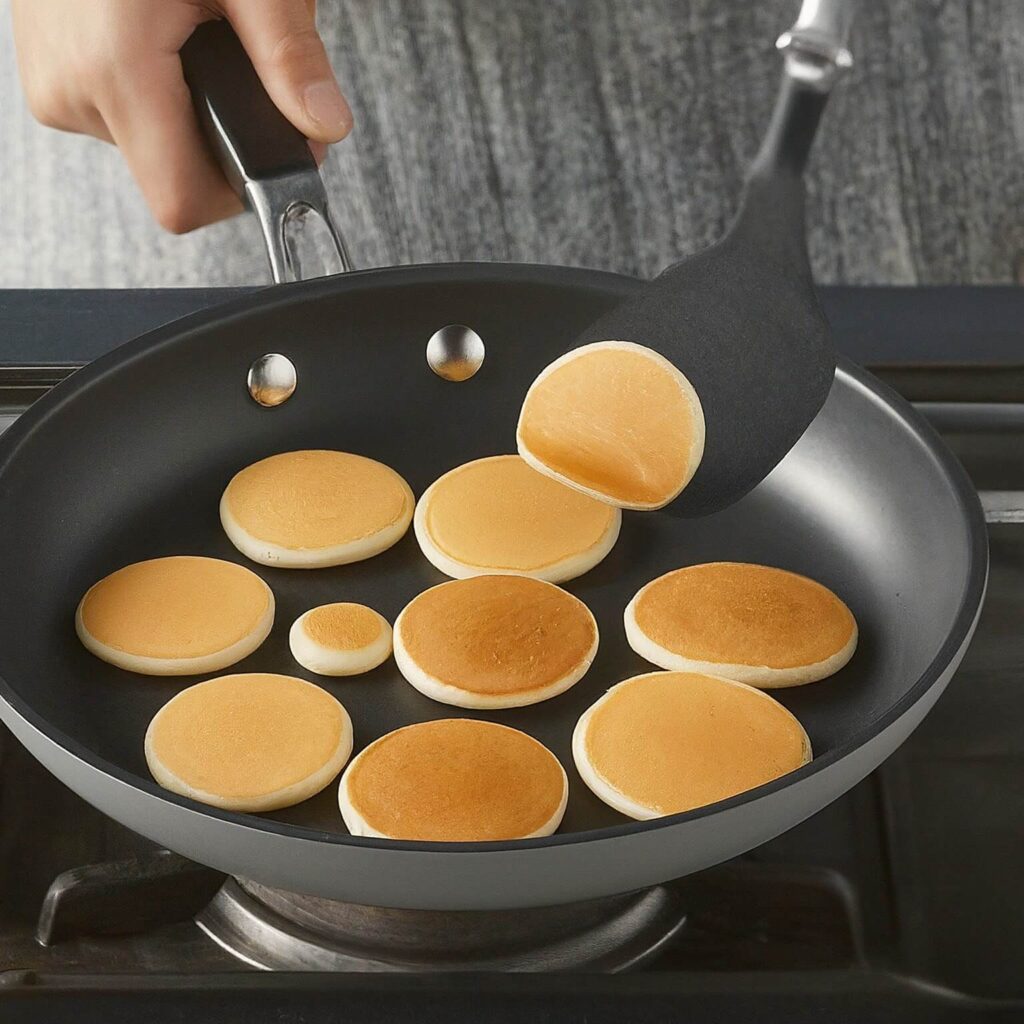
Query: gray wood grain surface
x,y
607,133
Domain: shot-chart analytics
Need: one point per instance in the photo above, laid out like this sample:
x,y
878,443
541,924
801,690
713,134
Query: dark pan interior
x,y
130,461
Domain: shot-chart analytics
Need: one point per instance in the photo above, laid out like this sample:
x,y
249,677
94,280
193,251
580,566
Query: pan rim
x,y
873,389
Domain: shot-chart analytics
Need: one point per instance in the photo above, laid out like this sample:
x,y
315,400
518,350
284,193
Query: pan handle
x,y
264,157
816,55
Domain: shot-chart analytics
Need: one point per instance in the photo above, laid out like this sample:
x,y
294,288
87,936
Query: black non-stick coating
x,y
128,460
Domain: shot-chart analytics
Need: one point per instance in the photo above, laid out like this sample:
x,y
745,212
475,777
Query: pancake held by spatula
x,y
176,616
310,509
342,639
249,742
454,780
763,626
499,515
494,641
668,742
616,421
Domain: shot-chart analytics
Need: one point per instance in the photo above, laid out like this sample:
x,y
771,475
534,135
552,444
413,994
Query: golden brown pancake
x,y
340,639
344,626
754,623
494,641
454,780
667,742
176,616
499,515
309,509
616,421
249,742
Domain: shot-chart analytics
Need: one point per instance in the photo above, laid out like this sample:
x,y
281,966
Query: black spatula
x,y
742,319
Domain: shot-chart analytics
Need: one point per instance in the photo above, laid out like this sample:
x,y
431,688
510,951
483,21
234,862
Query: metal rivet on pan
x,y
272,379
455,352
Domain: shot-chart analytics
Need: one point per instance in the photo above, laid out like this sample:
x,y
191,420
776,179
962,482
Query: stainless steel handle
x,y
265,158
815,47
1003,506
301,237
815,54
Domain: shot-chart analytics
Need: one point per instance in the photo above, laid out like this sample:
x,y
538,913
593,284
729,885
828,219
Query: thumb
x,y
284,46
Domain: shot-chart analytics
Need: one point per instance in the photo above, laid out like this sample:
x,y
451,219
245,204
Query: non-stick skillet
x,y
127,461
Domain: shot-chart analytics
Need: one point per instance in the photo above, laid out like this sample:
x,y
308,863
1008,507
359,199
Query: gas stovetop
x,y
902,901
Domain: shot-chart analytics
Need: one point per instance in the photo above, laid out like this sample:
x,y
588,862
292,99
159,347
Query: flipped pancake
x,y
454,780
499,515
754,623
342,639
249,742
668,742
176,616
310,509
494,641
615,420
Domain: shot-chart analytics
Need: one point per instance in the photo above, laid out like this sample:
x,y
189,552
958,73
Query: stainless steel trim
x,y
815,47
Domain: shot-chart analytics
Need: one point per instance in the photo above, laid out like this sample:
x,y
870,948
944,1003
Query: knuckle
x,y
174,212
46,106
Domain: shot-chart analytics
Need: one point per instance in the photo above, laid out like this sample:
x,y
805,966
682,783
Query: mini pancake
x,y
176,616
494,641
668,742
340,639
454,780
310,509
249,742
499,515
615,420
754,623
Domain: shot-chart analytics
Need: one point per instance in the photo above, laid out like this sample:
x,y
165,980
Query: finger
x,y
152,121
55,101
281,39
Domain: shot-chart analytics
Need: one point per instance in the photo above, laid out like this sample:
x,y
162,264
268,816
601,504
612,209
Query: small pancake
x,y
249,742
494,641
454,781
667,742
340,639
615,420
754,623
176,616
500,516
310,509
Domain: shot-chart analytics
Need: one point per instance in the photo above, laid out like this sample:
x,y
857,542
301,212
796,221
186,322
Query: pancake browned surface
x,y
249,742
494,641
454,780
176,616
667,742
615,420
760,625
341,639
308,509
499,515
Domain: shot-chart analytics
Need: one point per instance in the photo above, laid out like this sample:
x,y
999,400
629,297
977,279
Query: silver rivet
x,y
272,379
455,352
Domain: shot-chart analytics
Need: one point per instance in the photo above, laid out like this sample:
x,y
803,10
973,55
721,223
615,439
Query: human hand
x,y
110,68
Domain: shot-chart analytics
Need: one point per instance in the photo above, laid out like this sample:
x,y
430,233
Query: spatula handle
x,y
264,157
816,54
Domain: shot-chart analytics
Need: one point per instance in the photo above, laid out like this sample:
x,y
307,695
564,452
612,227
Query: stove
x,y
902,901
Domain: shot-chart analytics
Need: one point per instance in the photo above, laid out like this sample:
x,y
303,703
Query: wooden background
x,y
608,133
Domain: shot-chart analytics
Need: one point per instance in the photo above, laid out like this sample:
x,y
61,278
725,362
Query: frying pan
x,y
128,458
